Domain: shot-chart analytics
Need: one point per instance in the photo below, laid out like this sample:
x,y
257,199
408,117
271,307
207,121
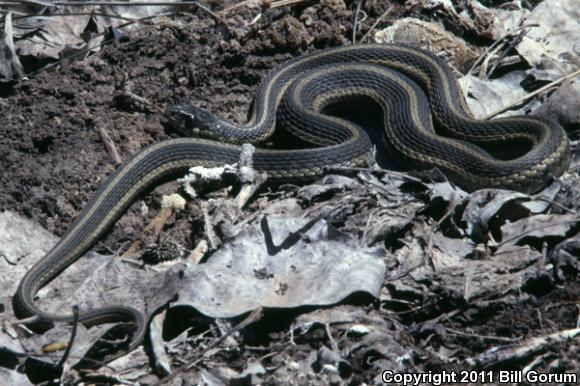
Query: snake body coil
x,y
425,124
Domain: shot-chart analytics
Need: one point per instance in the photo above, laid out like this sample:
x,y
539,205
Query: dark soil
x,y
52,156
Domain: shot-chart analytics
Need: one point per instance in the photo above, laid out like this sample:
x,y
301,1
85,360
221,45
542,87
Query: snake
x,y
424,123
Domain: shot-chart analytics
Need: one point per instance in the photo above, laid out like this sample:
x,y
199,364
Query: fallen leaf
x,y
539,228
289,262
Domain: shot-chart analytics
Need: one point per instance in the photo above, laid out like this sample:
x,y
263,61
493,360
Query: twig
x,y
264,5
429,251
252,318
533,364
428,303
507,49
110,145
9,46
485,337
255,19
542,261
213,239
498,41
153,228
528,231
199,251
379,19
213,14
485,63
496,356
381,171
355,21
532,94
556,203
138,102
333,343
234,7
466,287
367,226
539,313
250,178
282,3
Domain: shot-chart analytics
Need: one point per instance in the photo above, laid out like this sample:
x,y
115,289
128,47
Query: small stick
x,y
379,19
153,228
381,171
486,337
252,318
528,231
110,145
540,317
234,7
211,236
556,203
533,364
531,346
532,94
282,3
333,343
504,53
367,225
498,41
466,287
9,43
265,4
355,21
485,63
197,254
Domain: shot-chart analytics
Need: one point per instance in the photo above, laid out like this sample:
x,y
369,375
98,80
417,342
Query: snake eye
x,y
187,119
193,121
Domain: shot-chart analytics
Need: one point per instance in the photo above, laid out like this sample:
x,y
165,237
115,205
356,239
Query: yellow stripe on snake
x,y
425,124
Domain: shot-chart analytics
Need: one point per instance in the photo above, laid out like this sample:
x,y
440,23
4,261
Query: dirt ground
x,y
52,156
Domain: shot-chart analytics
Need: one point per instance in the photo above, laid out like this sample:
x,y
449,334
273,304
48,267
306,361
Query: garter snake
x,y
425,121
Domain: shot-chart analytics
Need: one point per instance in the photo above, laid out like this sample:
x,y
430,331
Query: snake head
x,y
192,121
